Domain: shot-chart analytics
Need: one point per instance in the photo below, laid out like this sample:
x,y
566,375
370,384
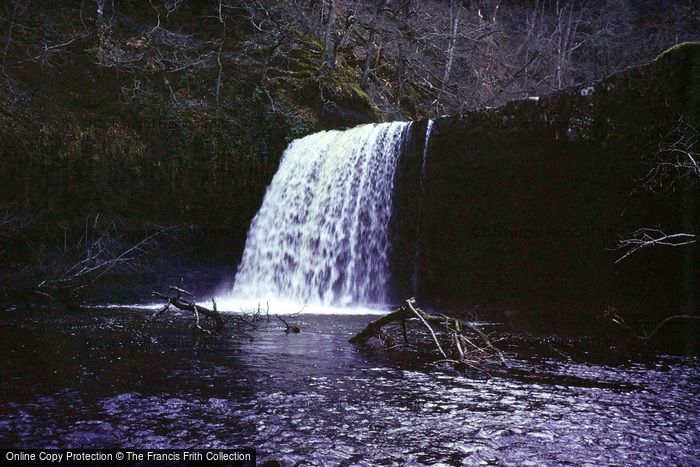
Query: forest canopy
x,y
406,57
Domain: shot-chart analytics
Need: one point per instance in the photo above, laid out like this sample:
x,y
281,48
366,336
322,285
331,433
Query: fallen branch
x,y
457,341
186,305
425,323
374,328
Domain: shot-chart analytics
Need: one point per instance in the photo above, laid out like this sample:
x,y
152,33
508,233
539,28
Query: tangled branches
x,y
100,251
242,322
678,163
458,342
61,261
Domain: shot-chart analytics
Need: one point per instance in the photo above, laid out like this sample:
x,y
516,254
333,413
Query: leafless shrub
x,y
37,261
678,162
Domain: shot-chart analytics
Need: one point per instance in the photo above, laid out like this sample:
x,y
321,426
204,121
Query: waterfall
x,y
424,164
321,236
426,144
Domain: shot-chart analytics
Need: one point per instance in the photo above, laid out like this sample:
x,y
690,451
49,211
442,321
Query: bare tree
x,y
422,58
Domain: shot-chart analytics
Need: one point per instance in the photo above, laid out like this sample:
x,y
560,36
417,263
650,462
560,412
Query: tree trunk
x,y
328,43
368,60
450,52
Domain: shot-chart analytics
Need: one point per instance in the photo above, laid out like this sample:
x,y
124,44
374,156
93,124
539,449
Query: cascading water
x,y
320,236
426,145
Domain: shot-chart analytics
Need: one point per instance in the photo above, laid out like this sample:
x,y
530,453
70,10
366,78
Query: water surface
x,y
107,379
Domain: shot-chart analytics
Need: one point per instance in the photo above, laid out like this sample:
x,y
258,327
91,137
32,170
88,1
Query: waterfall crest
x,y
320,236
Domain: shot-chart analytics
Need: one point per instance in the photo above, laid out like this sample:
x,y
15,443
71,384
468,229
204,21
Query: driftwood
x,y
181,303
457,341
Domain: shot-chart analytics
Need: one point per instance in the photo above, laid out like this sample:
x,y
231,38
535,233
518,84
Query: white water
x,y
320,237
426,145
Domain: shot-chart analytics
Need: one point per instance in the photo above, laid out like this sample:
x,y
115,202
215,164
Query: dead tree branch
x,y
457,341
643,238
409,303
678,161
61,266
99,252
179,301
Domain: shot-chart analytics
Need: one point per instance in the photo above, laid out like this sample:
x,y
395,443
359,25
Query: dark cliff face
x,y
524,204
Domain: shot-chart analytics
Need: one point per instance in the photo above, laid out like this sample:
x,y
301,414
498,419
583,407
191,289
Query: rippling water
x,y
108,379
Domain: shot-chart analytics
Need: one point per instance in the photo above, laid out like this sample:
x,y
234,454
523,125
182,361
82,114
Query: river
x,y
108,379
